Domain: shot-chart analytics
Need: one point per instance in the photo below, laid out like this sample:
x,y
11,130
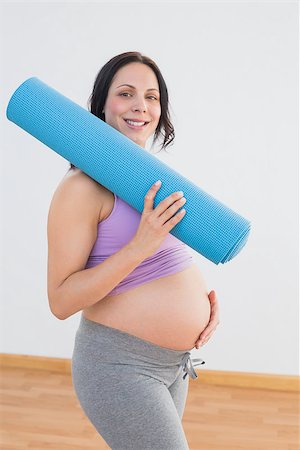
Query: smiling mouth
x,y
133,124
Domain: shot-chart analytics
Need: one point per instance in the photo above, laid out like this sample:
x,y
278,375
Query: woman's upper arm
x,y
71,229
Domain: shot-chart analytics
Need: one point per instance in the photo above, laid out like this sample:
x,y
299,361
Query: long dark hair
x,y
103,81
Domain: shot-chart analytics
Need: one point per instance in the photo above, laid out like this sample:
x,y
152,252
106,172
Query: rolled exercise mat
x,y
115,161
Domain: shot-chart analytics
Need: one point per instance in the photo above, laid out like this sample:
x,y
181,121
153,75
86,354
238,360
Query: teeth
x,y
136,124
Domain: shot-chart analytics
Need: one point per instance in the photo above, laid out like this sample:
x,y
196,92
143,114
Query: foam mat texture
x,y
112,159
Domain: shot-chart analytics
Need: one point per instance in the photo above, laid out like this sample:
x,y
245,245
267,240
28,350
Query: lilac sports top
x,y
118,229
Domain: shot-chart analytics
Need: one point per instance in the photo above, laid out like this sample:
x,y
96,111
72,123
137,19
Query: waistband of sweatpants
x,y
109,337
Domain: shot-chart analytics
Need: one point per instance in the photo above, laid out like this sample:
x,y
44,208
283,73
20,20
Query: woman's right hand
x,y
156,223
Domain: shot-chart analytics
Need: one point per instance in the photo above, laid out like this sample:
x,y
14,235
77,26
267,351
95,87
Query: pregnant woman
x,y
144,302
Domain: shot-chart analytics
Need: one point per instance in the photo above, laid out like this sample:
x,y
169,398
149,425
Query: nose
x,y
139,105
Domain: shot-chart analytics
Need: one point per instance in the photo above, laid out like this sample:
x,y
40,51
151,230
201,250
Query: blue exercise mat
x,y
115,161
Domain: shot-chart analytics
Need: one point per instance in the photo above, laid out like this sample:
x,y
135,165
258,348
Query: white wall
x,y
231,71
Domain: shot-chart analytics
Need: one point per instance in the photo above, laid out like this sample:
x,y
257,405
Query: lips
x,y
136,127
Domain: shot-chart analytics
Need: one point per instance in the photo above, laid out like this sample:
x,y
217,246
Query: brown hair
x,y
103,81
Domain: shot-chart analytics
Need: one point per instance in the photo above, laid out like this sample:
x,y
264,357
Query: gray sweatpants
x,y
132,391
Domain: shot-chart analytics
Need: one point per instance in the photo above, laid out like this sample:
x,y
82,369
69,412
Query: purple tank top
x,y
118,229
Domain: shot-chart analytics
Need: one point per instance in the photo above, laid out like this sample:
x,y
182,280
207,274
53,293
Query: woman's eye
x,y
127,93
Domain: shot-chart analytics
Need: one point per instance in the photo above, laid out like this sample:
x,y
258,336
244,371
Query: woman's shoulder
x,y
75,181
77,177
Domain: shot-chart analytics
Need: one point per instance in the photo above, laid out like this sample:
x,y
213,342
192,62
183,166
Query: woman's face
x,y
140,102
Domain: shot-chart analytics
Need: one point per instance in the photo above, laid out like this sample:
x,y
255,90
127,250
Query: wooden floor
x,y
39,410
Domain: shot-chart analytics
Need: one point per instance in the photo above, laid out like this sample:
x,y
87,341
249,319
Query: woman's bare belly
x,y
170,311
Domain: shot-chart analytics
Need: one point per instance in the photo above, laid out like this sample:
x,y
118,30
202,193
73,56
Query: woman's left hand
x,y
213,321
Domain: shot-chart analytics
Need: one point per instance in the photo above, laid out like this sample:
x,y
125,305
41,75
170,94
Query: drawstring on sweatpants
x,y
188,368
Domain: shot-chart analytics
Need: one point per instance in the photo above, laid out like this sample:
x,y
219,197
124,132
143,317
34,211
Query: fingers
x,y
149,198
166,209
204,338
169,212
214,308
202,342
213,323
212,296
172,222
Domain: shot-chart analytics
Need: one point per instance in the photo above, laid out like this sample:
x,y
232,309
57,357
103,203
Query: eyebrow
x,y
129,85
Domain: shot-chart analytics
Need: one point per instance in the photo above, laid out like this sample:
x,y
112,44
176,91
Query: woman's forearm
x,y
86,287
